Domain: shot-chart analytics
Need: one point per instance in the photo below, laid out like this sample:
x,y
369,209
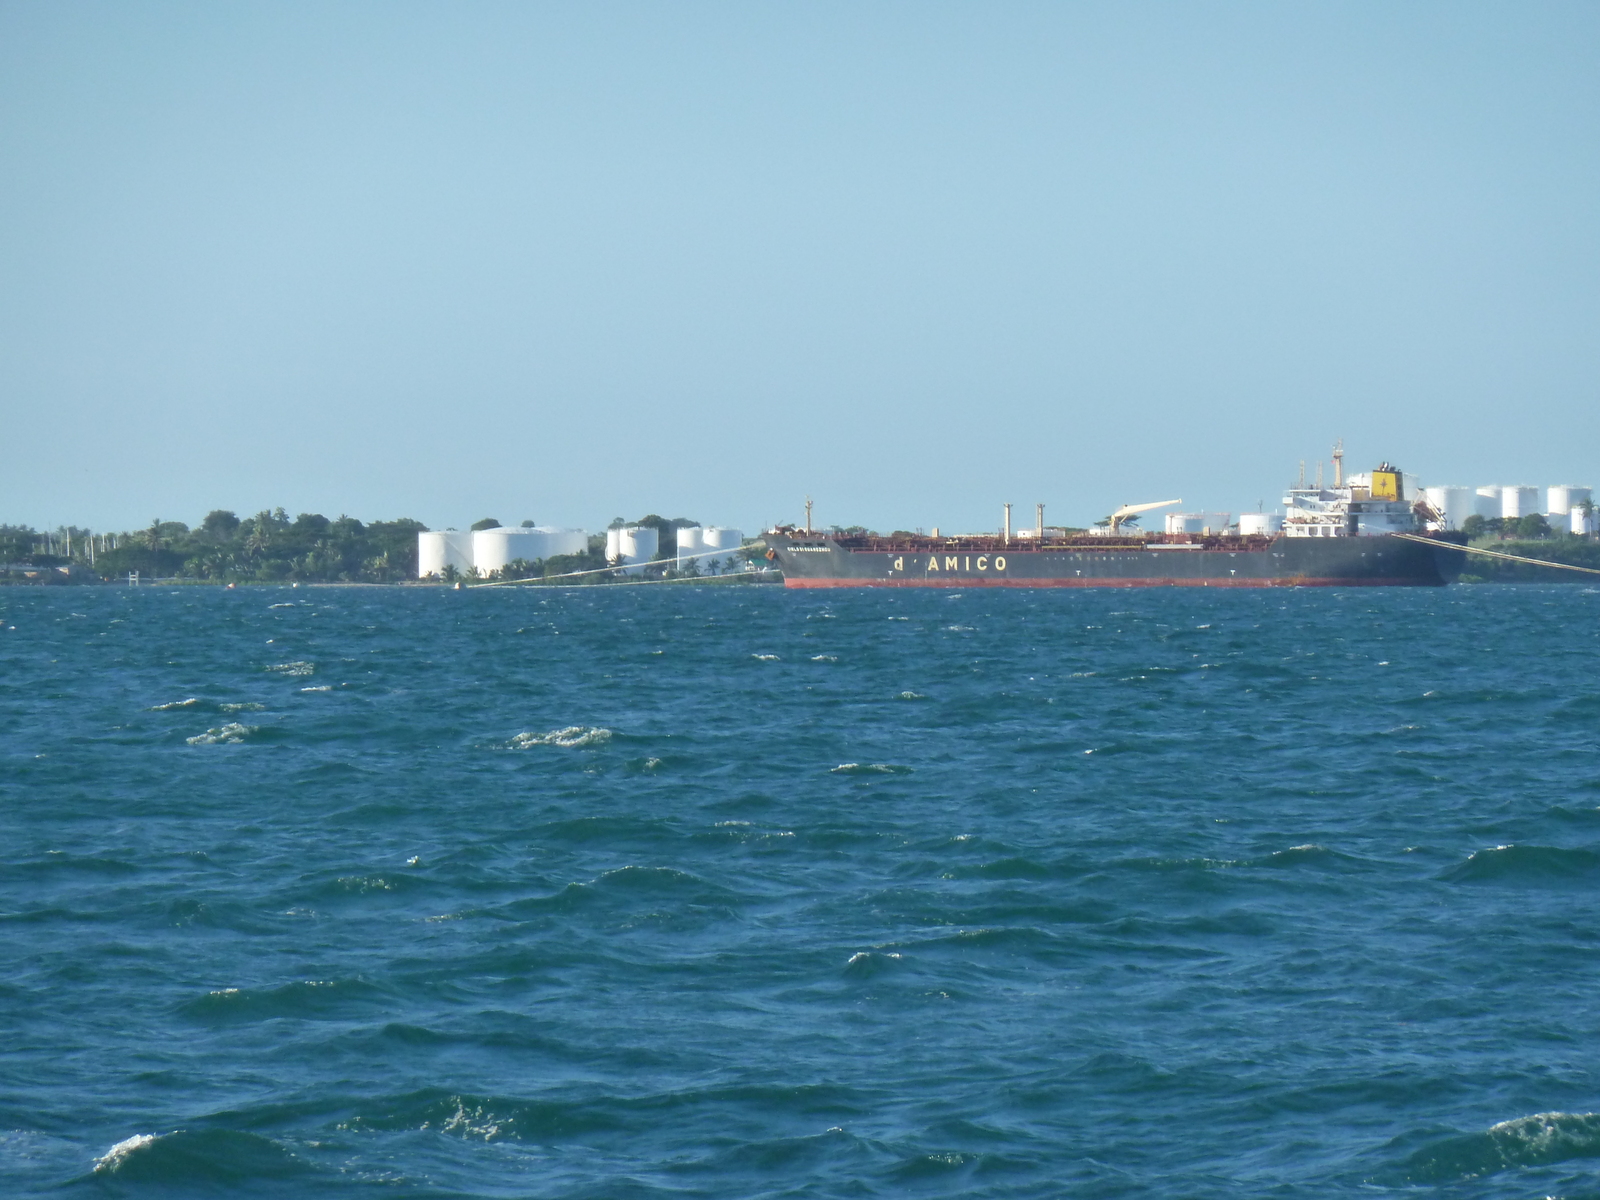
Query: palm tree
x,y
259,538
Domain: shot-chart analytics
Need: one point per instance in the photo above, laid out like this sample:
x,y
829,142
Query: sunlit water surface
x,y
646,892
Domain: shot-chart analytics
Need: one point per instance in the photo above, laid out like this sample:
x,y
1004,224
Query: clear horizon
x,y
567,263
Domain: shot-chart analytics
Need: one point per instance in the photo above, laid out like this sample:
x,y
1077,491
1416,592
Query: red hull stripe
x,y
1288,581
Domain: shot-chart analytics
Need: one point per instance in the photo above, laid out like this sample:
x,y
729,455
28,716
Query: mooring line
x,y
1517,558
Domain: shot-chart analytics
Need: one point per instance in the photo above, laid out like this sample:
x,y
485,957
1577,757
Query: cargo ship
x,y
1364,532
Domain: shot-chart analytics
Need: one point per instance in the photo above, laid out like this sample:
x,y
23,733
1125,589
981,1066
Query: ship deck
x,y
994,543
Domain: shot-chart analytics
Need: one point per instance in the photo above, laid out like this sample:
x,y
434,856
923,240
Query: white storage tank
x,y
718,537
689,544
1582,523
1518,502
493,549
1259,524
1486,503
1185,522
1563,498
554,541
632,546
441,548
1454,504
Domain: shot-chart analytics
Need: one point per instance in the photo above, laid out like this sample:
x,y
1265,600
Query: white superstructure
x,y
1365,506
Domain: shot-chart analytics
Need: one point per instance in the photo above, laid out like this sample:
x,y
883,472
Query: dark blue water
x,y
646,892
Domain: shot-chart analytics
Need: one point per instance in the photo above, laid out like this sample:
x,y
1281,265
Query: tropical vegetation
x,y
267,547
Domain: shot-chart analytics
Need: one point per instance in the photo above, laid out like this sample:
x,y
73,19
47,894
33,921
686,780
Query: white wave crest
x,y
247,706
298,667
189,703
112,1158
225,735
572,735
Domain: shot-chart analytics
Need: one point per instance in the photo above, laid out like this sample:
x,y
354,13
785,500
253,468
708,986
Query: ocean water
x,y
737,892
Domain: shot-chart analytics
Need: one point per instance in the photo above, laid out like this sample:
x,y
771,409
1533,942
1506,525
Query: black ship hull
x,y
824,560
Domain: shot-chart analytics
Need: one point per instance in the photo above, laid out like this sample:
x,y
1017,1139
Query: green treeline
x,y
265,548
1575,551
311,548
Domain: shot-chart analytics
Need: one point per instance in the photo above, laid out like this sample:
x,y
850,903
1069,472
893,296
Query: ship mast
x,y
808,514
1338,463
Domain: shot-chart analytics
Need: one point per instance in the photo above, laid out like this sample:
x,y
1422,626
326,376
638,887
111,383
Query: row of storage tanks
x,y
632,546
492,550
1564,504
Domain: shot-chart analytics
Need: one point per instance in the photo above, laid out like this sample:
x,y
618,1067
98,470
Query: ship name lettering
x,y
950,562
983,562
900,564
999,562
933,562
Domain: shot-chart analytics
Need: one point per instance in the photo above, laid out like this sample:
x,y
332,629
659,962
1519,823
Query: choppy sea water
x,y
645,892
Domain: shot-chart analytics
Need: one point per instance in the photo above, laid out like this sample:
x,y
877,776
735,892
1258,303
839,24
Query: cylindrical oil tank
x,y
1518,502
718,537
1185,522
430,553
1259,524
562,541
441,548
1563,498
492,549
1486,502
1581,522
613,545
689,541
636,546
1454,504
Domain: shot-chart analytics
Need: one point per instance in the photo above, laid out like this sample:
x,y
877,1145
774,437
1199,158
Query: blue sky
x,y
570,262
